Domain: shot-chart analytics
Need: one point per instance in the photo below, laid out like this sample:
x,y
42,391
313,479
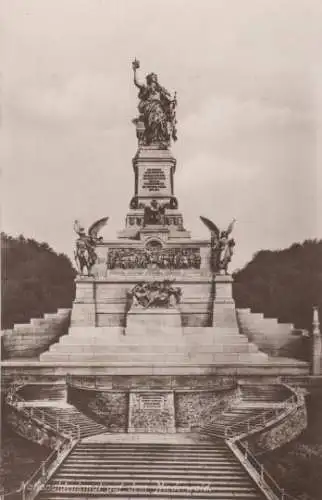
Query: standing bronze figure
x,y
157,111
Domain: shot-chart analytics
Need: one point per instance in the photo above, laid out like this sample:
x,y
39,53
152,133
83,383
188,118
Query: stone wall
x,y
195,409
162,382
280,432
147,409
107,407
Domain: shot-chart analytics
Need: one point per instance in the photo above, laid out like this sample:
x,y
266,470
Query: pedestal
x,y
84,307
153,321
224,312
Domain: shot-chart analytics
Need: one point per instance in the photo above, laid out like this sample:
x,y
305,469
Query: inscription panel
x,y
151,402
154,180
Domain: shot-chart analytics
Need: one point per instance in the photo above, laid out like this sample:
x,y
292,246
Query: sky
x,y
248,80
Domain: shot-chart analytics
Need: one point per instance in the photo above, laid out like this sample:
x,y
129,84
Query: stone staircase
x,y
29,340
234,416
151,470
272,337
70,415
203,345
264,393
254,402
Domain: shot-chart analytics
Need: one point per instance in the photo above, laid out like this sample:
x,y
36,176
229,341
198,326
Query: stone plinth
x,y
153,321
224,311
153,169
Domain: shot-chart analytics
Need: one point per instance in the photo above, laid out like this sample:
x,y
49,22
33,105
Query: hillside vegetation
x,y
297,466
284,284
35,280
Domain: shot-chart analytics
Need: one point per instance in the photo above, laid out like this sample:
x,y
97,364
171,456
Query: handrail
x,y
40,475
262,420
41,415
13,494
30,488
265,480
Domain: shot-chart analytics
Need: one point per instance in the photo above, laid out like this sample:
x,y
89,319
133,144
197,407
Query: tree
x,y
285,284
35,280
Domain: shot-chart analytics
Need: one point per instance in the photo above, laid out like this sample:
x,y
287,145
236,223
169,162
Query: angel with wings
x,y
221,245
85,255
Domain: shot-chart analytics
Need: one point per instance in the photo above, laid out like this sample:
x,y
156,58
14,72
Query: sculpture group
x,y
154,294
174,258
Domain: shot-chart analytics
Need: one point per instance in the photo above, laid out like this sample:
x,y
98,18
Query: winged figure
x,y
221,245
85,255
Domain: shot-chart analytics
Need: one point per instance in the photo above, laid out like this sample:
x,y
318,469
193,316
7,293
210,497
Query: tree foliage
x,y
285,284
35,280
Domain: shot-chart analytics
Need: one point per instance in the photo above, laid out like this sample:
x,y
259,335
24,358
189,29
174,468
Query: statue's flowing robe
x,y
154,109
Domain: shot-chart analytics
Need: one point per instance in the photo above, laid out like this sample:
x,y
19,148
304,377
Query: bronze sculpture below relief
x,y
154,294
156,123
154,213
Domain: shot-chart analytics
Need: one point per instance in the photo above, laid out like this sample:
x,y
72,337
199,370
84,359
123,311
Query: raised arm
x,y
135,66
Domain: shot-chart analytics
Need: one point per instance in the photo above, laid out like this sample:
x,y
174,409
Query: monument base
x,y
153,321
224,310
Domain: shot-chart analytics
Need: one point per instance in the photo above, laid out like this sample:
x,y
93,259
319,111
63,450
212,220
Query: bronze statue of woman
x,y
157,109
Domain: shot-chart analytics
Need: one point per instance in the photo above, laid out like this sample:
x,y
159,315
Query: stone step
x,y
144,494
144,448
150,358
147,340
35,331
110,461
151,470
115,330
120,447
22,342
219,482
122,457
161,348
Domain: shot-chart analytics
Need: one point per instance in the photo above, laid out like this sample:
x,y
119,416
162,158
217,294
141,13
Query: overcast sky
x,y
248,83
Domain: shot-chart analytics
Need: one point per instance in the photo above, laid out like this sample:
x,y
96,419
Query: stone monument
x,y
154,284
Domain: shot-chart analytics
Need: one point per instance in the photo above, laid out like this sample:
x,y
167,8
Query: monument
x,y
155,300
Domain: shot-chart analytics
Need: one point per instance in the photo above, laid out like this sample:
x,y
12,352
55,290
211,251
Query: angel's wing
x,y
211,226
77,226
95,228
231,226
